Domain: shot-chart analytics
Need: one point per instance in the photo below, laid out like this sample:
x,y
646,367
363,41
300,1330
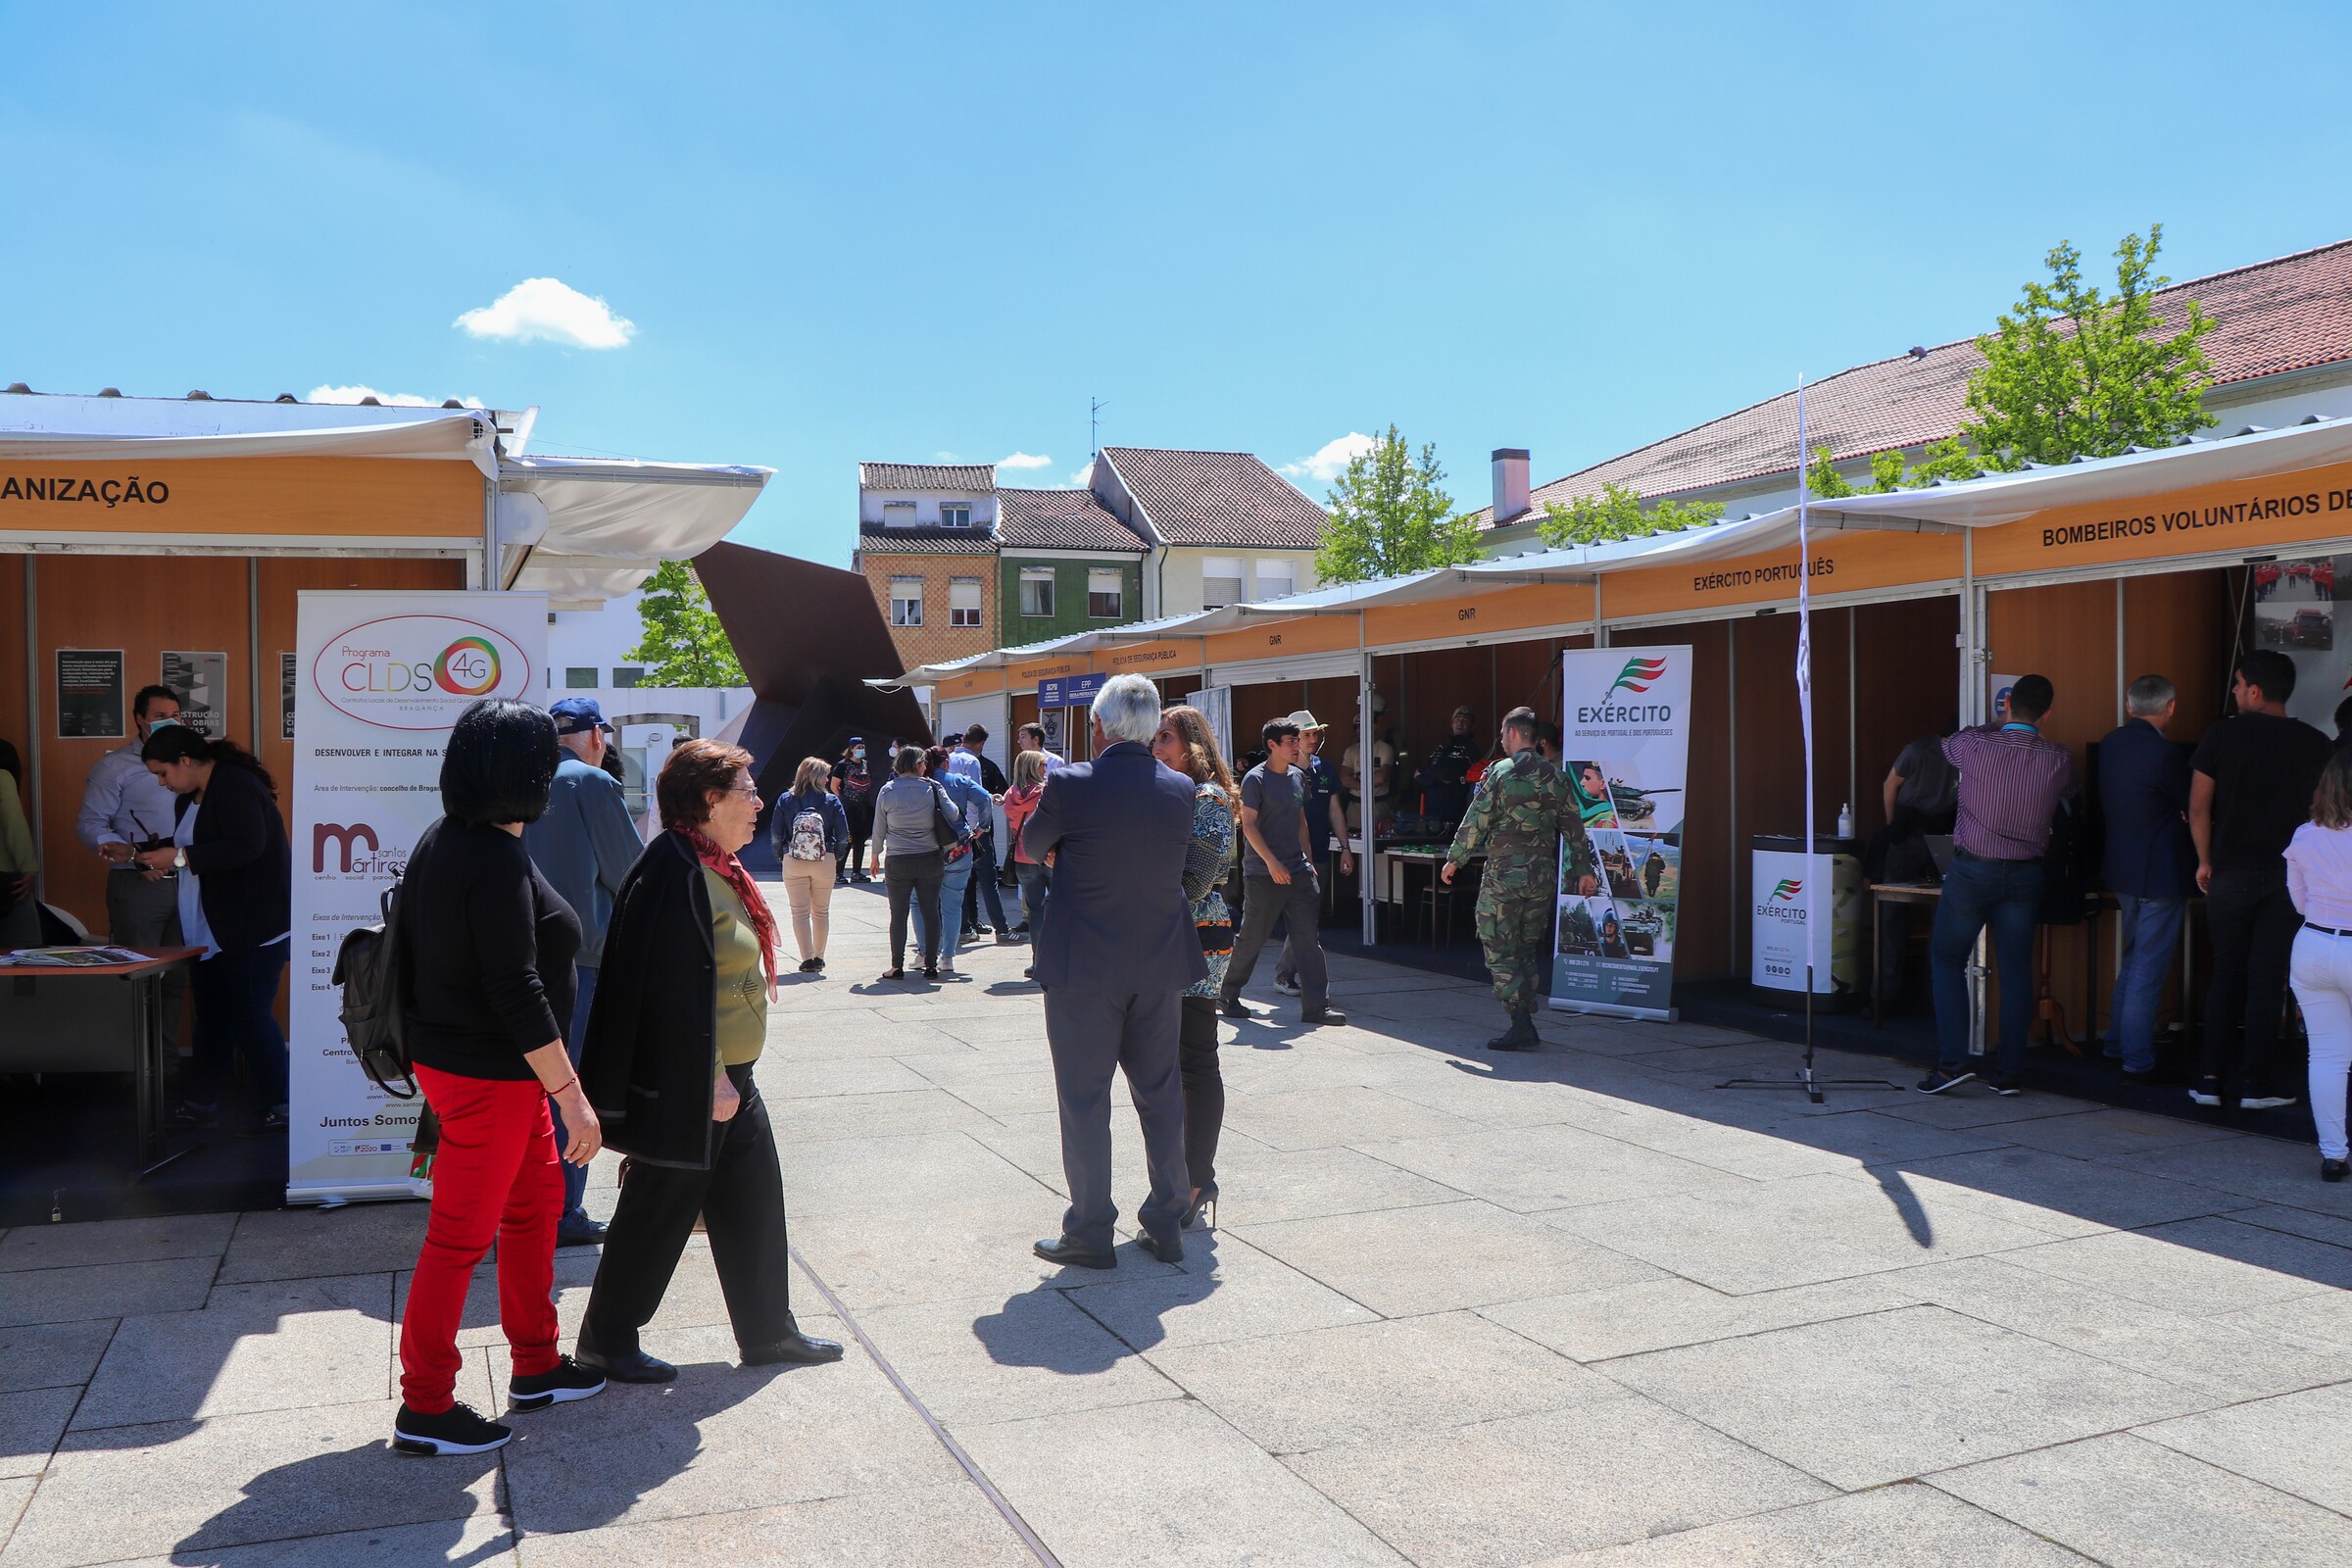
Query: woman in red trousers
x,y
487,956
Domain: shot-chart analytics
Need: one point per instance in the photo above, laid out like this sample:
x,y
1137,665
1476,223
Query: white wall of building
x,y
599,641
873,506
1172,579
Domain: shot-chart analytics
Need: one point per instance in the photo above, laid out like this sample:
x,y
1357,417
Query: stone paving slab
x,y
1717,1309
1888,1526
1595,1474
1863,1400
2132,1503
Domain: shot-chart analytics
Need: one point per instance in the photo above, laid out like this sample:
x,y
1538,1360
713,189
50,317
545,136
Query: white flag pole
x,y
1805,696
1811,886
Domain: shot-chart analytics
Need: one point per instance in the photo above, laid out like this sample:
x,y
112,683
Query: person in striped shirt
x,y
2012,779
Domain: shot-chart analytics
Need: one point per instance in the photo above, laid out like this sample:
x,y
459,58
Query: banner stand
x,y
379,679
1625,748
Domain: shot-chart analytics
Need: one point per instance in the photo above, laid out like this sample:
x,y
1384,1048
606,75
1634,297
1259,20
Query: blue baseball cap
x,y
576,716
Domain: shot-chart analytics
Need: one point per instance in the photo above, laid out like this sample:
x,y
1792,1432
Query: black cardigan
x,y
244,869
652,1045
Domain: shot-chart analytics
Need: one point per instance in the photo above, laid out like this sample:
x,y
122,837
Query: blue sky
x,y
844,232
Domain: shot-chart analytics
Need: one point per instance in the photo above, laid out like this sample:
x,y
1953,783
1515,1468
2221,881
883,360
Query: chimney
x,y
1510,482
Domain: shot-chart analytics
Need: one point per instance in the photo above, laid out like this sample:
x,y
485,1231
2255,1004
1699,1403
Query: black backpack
x,y
368,968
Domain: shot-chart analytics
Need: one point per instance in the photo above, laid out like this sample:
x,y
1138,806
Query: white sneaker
x,y
1289,988
946,965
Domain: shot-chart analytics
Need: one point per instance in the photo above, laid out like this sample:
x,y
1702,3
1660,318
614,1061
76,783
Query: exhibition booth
x,y
181,542
2167,562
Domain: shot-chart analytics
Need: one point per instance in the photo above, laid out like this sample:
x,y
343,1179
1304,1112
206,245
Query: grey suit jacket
x,y
1117,827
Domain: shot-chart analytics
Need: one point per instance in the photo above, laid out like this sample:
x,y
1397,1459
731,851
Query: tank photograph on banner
x,y
1608,797
1620,879
1648,929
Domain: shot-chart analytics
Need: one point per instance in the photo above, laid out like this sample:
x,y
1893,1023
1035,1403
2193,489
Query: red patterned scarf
x,y
724,863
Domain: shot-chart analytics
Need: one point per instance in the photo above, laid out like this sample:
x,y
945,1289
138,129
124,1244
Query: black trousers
x,y
916,876
1203,1089
1266,901
1093,1034
740,1199
2252,923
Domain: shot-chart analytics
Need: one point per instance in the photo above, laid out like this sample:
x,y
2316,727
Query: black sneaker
x,y
564,1382
188,1116
1937,1081
2006,1088
460,1428
1234,1009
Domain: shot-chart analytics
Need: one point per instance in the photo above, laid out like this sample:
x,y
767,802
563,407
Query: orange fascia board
x,y
2253,515
1843,563
1149,658
979,683
1276,639
324,498
1474,616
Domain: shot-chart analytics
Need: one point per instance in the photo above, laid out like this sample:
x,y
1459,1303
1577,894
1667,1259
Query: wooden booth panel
x,y
141,605
11,654
1769,732
1906,685
2178,625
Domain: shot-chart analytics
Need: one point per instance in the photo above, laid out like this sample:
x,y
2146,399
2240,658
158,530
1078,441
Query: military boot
x,y
1520,1035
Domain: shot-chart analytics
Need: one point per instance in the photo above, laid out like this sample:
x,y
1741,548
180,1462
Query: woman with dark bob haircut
x,y
236,882
486,962
679,1017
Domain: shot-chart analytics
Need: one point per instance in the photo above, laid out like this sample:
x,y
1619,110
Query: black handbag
x,y
945,831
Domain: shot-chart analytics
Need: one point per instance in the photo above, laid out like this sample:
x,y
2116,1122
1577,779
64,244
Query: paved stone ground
x,y
1463,1311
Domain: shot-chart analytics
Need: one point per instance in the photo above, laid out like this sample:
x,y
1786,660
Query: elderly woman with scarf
x,y
677,1024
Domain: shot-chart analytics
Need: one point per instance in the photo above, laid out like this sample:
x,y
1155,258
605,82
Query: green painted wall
x,y
1070,615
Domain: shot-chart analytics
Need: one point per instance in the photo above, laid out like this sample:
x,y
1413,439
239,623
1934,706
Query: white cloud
x,y
548,308
1084,478
390,400
1332,462
1025,459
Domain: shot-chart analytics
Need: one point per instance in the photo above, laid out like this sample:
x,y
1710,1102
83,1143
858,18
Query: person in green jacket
x,y
1523,815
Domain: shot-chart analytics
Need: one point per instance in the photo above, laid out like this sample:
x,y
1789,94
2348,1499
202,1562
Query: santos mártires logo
x,y
357,850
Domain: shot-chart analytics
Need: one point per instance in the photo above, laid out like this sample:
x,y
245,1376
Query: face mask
x,y
858,752
155,725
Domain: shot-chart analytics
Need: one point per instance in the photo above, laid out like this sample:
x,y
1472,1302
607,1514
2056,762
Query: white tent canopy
x,y
579,530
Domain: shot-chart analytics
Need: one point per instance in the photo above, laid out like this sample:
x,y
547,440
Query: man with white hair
x,y
1114,961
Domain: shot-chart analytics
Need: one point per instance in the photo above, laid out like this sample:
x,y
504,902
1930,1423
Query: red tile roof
x,y
1218,497
1060,520
942,476
2282,314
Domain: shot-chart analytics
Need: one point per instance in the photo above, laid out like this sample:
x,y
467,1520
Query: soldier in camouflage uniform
x,y
1523,813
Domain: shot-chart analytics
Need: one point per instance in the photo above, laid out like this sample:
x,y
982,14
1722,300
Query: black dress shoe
x,y
1234,1009
635,1367
1170,1250
1330,1017
795,1348
1069,1254
2332,1170
580,1232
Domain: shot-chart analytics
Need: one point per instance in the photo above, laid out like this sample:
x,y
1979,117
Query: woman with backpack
x,y
913,865
486,949
809,831
236,880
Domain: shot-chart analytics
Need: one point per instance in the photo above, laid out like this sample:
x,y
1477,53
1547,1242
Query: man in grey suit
x,y
1114,961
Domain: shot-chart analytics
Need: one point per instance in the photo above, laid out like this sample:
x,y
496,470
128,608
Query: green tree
x,y
1389,515
2070,372
684,645
1617,513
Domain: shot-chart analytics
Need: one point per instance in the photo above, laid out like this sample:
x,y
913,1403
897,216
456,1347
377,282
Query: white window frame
x,y
1284,572
905,608
955,513
1117,593
964,616
1037,576
1236,572
899,514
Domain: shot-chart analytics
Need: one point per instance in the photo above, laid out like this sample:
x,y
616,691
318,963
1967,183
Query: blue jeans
x,y
951,910
2150,932
981,887
1033,896
2006,897
576,1177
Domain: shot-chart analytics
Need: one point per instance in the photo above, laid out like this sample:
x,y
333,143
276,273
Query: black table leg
x,y
147,1026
